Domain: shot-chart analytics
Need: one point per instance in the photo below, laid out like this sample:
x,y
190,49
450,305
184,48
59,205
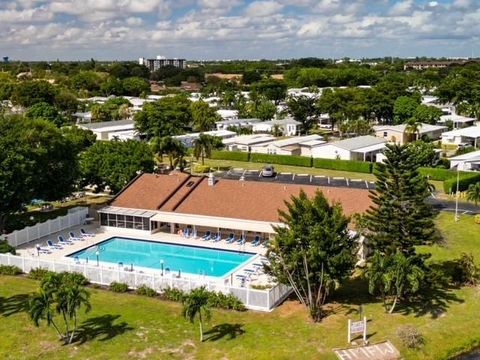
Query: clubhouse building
x,y
153,203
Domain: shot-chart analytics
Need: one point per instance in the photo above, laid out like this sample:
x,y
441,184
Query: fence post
x,y
8,258
248,297
53,265
101,275
38,263
23,263
268,299
118,275
153,281
85,270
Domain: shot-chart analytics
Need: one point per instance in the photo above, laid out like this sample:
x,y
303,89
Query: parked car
x,y
268,171
462,146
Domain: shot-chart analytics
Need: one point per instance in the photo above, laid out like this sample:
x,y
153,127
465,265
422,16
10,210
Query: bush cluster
x,y
146,291
293,160
5,247
411,337
10,270
39,273
215,299
201,169
344,165
118,287
230,155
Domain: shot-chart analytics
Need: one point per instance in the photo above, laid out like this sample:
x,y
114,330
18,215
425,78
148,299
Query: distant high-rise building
x,y
161,61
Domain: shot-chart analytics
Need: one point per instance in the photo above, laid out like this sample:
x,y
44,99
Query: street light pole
x,y
97,254
161,264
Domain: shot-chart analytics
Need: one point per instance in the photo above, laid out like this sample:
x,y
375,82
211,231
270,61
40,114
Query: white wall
x,y
331,152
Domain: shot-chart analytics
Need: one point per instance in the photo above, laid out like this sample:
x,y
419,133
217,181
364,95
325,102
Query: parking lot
x,y
290,178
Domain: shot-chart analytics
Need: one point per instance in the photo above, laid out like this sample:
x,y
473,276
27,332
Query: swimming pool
x,y
150,254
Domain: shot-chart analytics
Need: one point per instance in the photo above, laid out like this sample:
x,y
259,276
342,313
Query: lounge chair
x,y
256,241
73,237
85,234
61,240
207,236
230,239
186,232
41,250
194,234
216,237
265,244
241,240
51,245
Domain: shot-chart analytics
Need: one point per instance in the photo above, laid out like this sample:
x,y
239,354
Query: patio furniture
x,y
51,245
85,234
207,236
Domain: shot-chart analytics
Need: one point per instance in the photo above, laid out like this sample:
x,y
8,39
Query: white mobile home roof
x,y
471,131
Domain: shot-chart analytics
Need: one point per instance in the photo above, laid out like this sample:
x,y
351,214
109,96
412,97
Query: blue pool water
x,y
188,259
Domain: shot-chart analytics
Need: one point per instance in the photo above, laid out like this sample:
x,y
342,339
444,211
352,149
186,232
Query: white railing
x,y
76,216
262,300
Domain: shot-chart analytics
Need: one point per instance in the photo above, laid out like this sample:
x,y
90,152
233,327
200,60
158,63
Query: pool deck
x,y
29,250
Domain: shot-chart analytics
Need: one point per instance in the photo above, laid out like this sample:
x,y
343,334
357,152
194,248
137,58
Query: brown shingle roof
x,y
260,201
227,198
149,191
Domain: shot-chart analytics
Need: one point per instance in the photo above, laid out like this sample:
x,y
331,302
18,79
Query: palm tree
x,y
204,145
196,305
76,297
413,128
40,307
473,193
172,147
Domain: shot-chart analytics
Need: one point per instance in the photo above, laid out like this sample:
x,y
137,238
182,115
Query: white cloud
x,y
263,8
401,8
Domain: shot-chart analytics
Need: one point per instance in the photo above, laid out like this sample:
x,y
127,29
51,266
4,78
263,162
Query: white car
x,y
268,171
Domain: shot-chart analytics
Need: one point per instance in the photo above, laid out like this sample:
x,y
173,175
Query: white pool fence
x,y
262,300
76,216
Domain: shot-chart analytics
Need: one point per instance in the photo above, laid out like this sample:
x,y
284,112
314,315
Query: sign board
x,y
380,351
355,327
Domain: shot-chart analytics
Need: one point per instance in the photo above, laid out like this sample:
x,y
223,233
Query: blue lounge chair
x,y
207,236
216,237
186,232
51,245
230,239
256,241
194,234
73,237
85,234
62,240
41,250
241,240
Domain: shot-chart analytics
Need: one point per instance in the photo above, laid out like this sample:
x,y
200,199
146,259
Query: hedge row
x,y
230,155
450,185
437,174
294,160
344,165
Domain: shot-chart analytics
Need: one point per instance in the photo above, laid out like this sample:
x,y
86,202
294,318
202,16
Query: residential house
x,y
298,145
108,130
399,134
245,142
458,121
236,123
363,148
467,135
466,162
288,126
189,139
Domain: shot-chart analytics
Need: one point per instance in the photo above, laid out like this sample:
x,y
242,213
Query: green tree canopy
x,y
66,102
400,217
314,252
36,162
80,139
404,109
134,86
203,116
29,93
427,114
165,117
44,111
196,304
271,89
114,163
204,145
303,109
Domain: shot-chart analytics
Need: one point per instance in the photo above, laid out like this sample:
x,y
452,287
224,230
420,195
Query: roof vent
x,y
211,179
190,184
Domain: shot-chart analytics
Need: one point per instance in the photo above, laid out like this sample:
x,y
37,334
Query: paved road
x,y
449,205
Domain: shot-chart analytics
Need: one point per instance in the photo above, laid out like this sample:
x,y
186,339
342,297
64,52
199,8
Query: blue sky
x,y
237,29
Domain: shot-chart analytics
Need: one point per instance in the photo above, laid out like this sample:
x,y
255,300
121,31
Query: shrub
x,y
466,178
174,294
261,287
5,247
477,219
230,155
118,287
39,273
74,278
10,270
201,169
146,291
465,272
410,336
293,160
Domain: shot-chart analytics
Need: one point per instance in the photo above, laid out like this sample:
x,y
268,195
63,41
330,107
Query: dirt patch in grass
x,y
291,307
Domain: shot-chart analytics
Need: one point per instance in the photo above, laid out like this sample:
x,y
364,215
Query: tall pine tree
x,y
400,217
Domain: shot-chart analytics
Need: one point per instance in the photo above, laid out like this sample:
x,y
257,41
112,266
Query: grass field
x,y
134,327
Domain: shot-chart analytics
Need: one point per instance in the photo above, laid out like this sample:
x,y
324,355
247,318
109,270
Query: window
x,y
103,219
385,134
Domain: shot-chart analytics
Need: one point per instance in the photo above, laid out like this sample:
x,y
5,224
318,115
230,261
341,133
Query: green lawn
x,y
130,326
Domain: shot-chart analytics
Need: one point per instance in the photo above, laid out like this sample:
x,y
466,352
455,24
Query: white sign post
x,y
357,327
